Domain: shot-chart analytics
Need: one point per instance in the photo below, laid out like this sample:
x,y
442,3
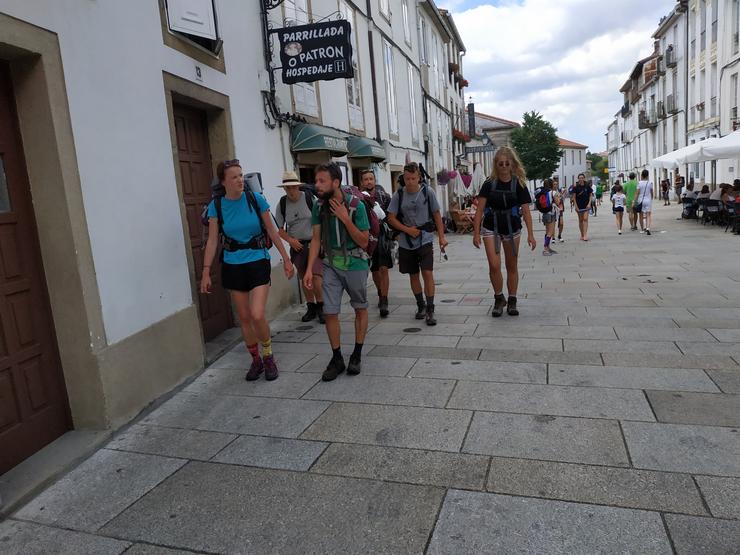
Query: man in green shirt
x,y
630,188
342,233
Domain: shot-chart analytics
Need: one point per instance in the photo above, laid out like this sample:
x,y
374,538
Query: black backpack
x,y
261,241
425,191
307,195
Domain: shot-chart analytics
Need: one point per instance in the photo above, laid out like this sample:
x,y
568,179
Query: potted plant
x,y
443,177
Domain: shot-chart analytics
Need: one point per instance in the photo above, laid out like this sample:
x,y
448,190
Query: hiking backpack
x,y
356,197
307,195
543,200
429,222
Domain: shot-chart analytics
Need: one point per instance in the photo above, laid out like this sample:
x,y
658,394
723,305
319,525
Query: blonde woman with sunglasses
x,y
503,202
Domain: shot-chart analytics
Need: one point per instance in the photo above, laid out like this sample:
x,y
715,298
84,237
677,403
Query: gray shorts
x,y
549,218
336,282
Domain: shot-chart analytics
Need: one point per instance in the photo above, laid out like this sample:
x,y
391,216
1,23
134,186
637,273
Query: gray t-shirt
x,y
414,213
297,217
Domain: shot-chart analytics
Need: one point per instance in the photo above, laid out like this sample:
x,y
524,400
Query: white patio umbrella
x,y
478,179
686,155
458,187
722,148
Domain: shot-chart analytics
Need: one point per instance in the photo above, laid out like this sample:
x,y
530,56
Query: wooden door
x,y
34,409
194,156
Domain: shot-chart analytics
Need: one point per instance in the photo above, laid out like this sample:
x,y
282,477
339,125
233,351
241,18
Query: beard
x,y
326,195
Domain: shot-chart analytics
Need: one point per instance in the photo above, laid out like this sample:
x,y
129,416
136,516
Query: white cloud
x,y
564,58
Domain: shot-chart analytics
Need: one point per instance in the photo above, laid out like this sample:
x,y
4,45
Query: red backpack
x,y
372,217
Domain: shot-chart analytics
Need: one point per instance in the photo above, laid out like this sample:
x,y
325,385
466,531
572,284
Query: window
x,y
435,67
412,104
390,88
305,97
733,98
423,42
713,84
406,23
715,8
385,8
735,26
580,157
354,88
572,157
675,132
196,19
702,91
703,27
439,131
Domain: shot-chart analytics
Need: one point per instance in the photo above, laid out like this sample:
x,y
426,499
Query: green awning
x,y
360,147
306,137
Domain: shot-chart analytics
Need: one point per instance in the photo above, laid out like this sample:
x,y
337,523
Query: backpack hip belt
x,y
255,243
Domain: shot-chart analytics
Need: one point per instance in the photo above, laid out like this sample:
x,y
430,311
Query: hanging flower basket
x,y
443,177
464,83
460,136
454,67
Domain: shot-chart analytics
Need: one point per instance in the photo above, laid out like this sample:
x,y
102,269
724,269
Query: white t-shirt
x,y
644,192
619,200
716,194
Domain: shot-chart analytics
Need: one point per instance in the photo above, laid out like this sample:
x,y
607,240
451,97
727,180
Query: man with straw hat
x,y
293,217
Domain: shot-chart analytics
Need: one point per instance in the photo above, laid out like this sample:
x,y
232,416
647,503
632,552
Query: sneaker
x,y
642,231
310,312
647,232
498,306
271,369
431,320
619,232
255,371
333,369
421,311
561,240
355,364
546,253
511,309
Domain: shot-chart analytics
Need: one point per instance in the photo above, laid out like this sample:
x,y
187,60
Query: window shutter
x,y
193,17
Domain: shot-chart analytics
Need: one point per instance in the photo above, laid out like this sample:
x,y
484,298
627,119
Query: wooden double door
x,y
33,400
194,157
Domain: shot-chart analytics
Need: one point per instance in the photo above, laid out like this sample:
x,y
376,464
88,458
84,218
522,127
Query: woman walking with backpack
x,y
502,203
583,194
243,219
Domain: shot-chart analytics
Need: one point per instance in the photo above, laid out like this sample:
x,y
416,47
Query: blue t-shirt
x,y
241,223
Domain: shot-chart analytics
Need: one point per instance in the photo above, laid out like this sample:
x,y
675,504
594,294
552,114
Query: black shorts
x,y
245,277
381,258
412,261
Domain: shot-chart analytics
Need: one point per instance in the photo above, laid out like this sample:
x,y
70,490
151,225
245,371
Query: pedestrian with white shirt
x,y
618,202
643,201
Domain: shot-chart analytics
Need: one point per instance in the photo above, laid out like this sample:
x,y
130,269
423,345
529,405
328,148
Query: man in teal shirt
x,y
630,188
343,235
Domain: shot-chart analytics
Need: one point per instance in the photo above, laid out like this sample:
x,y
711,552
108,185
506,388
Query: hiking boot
x,y
320,313
431,320
498,306
355,365
511,307
647,232
271,369
333,369
421,311
255,371
383,306
310,312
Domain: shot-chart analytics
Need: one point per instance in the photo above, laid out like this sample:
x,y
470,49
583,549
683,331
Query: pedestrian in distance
x,y
643,202
665,188
241,217
561,206
341,229
382,259
599,195
630,187
293,218
584,197
414,211
546,201
618,202
503,202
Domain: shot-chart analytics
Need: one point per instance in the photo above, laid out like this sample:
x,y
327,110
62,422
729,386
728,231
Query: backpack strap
x,y
219,214
309,201
283,203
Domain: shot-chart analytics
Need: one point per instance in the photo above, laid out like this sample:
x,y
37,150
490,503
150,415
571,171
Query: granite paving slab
x,y
349,338
472,522
506,329
271,452
630,346
371,365
696,408
145,549
731,349
671,379
684,448
589,402
622,321
514,372
524,319
709,323
412,427
578,440
238,359
204,508
240,415
171,442
551,357
414,466
417,340
98,489
27,538
447,353
704,536
289,385
664,334
621,487
384,390
726,336
397,329
727,380
728,312
667,360
511,343
722,495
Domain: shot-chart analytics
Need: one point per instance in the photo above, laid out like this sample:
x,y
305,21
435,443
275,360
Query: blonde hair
x,y
517,169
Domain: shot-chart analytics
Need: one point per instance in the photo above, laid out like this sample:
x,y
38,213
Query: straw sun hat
x,y
290,179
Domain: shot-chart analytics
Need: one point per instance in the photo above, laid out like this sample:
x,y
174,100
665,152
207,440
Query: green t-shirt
x,y
630,188
339,234
599,190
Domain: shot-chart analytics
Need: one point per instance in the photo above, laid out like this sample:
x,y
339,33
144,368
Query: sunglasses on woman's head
x,y
231,163
502,164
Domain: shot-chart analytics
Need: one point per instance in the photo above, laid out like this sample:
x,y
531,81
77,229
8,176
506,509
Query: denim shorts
x,y
336,282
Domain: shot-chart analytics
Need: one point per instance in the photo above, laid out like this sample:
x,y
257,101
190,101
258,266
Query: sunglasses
x,y
231,163
502,164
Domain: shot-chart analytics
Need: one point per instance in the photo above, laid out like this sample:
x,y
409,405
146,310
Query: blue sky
x,y
564,58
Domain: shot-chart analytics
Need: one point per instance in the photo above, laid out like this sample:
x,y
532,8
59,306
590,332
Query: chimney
x,y
471,119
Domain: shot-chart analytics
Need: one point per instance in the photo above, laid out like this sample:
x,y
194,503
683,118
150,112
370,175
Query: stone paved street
x,y
604,419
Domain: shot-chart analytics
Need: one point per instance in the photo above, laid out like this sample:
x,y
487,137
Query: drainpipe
x,y
372,68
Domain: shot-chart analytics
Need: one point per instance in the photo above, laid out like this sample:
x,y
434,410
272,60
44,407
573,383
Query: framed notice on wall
x,y
316,52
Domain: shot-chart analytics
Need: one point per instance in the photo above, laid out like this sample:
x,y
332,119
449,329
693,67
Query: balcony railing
x,y
671,104
647,119
670,57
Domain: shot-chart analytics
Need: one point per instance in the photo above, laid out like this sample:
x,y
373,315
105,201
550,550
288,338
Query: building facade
x,y
572,162
113,117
